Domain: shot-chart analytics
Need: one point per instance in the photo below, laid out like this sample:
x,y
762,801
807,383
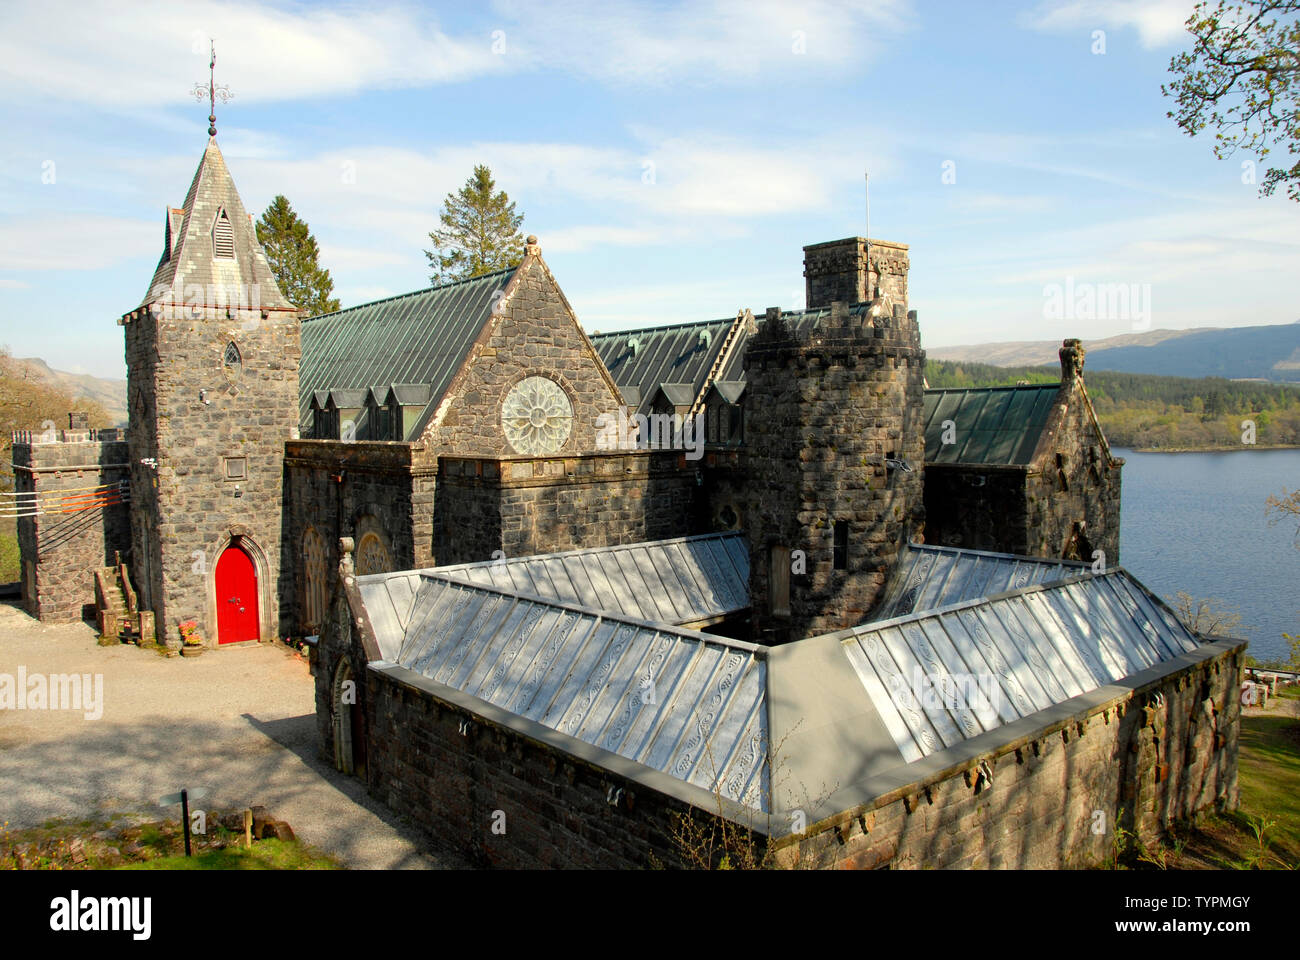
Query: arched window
x,y
232,361
223,238
315,597
372,555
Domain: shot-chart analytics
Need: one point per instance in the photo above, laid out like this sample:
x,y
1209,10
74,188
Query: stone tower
x,y
212,356
835,444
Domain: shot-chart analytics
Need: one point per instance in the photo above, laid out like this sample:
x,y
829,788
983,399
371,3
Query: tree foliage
x,y
1240,78
1200,615
479,232
292,253
1287,505
28,403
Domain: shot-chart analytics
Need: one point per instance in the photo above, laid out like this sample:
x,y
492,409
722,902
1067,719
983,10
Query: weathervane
x,y
214,90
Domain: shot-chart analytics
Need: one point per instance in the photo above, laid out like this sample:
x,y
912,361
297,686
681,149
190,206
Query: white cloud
x,y
147,54
1157,22
83,242
655,43
154,52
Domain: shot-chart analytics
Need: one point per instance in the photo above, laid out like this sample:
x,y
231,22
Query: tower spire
x,y
214,90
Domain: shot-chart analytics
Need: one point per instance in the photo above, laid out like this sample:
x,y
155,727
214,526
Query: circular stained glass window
x,y
536,416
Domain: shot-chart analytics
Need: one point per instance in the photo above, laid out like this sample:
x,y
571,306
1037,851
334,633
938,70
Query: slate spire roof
x,y
210,243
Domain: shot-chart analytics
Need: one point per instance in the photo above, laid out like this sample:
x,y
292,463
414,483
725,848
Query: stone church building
x,y
457,488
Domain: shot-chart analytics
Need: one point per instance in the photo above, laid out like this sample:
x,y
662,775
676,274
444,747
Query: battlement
x,y
78,431
50,435
856,270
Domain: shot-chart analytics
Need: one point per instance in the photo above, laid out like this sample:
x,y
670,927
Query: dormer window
x,y
223,238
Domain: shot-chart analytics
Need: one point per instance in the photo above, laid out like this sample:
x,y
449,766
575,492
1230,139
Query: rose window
x,y
536,416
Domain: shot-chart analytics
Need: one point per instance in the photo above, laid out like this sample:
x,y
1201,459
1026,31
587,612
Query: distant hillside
x,y
110,394
1269,352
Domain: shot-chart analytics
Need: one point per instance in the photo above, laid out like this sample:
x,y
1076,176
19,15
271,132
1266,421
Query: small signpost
x,y
183,798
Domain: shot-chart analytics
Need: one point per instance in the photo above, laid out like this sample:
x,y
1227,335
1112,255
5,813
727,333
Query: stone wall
x,y
977,507
524,507
61,551
344,490
536,334
554,809
199,418
1076,481
1138,762
828,411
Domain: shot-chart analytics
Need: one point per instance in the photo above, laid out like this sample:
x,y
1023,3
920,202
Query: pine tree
x,y
479,233
291,251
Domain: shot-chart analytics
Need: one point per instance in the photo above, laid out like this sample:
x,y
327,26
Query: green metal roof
x,y
647,358
417,338
992,425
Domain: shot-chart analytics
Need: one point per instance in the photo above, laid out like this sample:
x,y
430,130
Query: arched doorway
x,y
237,610
349,734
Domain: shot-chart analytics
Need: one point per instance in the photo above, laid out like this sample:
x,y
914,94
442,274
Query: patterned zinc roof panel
x,y
989,425
688,580
417,338
928,576
686,704
949,674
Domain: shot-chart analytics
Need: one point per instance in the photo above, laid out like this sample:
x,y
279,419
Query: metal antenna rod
x,y
866,183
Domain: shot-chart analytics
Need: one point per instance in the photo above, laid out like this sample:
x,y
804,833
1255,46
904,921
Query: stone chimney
x,y
1071,360
839,270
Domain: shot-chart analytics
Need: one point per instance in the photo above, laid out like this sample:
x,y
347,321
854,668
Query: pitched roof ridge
x,y
667,326
413,293
1052,385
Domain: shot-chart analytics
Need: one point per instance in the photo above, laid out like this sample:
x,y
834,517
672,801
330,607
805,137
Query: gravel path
x,y
239,722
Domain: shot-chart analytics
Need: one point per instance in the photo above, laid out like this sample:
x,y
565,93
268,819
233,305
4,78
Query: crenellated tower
x,y
835,442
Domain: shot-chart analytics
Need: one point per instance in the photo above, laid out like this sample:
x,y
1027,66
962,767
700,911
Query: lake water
x,y
1196,522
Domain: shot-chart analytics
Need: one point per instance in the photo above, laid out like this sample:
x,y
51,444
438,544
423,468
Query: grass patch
x,y
11,569
1269,777
264,855
123,842
1264,834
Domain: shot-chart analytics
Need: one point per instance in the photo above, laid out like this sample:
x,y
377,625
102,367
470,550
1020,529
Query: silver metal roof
x,y
680,702
947,675
822,724
689,580
927,577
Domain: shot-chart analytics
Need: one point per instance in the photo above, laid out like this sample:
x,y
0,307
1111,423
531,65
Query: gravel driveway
x,y
239,722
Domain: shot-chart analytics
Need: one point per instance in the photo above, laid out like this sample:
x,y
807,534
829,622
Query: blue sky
x,y
672,158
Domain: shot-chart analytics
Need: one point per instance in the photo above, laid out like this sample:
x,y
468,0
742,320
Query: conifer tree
x,y
291,251
479,232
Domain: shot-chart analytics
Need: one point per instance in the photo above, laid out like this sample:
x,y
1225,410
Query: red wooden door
x,y
236,597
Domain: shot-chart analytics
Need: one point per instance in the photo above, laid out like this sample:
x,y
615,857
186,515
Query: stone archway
x,y
349,731
238,536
